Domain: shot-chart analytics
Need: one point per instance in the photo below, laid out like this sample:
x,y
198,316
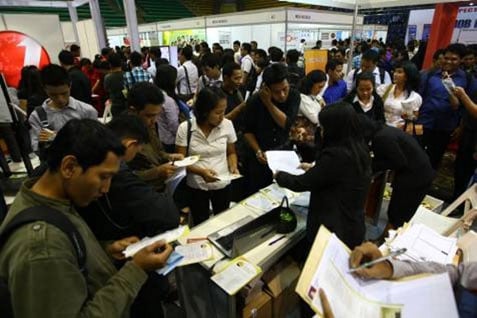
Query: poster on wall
x,y
426,31
18,50
181,36
412,31
225,38
315,60
465,30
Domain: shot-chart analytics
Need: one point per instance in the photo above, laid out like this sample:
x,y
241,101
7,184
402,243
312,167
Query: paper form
x,y
286,161
424,244
260,203
276,193
236,275
433,220
169,236
342,288
187,161
194,253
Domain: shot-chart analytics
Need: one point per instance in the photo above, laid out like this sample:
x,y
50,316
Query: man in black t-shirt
x,y
80,85
267,121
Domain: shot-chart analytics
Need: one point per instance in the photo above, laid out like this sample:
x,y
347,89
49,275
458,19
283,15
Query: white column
x,y
74,19
353,34
98,23
131,20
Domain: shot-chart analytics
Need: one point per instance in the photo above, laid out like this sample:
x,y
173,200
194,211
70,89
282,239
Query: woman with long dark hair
x,y
340,178
401,99
30,90
212,137
302,132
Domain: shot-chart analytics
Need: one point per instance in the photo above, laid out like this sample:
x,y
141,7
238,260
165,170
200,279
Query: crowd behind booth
x,y
229,106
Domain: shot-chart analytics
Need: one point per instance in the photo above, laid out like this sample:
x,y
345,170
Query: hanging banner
x,y
315,60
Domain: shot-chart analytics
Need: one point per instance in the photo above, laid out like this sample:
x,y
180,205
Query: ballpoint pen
x,y
379,260
276,240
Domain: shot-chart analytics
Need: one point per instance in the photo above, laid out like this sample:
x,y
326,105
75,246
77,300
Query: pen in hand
x,y
378,260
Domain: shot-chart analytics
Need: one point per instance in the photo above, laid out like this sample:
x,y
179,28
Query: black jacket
x,y
338,192
80,85
131,207
375,113
395,150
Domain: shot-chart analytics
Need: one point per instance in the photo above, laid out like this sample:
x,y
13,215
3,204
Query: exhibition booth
x,y
465,29
281,27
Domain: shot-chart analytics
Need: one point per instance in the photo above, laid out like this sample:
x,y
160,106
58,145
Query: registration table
x,y
199,295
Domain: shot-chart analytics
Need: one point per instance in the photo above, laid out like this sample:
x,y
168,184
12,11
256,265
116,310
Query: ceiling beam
x,y
41,4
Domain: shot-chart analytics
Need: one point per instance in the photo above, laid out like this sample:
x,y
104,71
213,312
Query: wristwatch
x,y
258,153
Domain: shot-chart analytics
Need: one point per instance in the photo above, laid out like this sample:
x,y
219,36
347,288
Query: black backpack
x,y
53,217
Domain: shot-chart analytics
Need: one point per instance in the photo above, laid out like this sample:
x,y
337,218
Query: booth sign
x,y
18,50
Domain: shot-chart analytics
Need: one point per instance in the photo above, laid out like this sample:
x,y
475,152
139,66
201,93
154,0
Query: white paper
x,y
169,236
173,181
194,253
229,177
424,244
260,203
433,220
235,276
276,193
188,161
286,161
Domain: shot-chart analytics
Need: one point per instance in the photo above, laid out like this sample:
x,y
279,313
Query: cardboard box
x,y
280,282
259,307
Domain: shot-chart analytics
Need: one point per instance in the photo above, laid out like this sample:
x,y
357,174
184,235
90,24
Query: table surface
x,y
263,254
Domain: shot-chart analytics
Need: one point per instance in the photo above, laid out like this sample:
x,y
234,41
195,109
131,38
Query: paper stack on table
x,y
286,161
423,244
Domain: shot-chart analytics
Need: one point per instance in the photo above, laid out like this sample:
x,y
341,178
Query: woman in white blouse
x,y
401,101
212,137
306,124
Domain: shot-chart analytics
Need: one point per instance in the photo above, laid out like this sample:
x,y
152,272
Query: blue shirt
x,y
335,92
436,111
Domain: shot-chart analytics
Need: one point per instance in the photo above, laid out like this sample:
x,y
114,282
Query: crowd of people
x,y
228,106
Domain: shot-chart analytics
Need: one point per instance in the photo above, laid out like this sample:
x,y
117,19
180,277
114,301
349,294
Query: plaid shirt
x,y
136,75
357,61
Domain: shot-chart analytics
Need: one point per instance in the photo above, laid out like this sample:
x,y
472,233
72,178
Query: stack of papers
x,y
439,223
169,236
423,244
260,203
286,161
229,177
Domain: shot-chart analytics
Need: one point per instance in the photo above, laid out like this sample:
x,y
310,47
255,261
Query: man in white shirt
x,y
247,62
154,55
369,62
237,55
187,74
